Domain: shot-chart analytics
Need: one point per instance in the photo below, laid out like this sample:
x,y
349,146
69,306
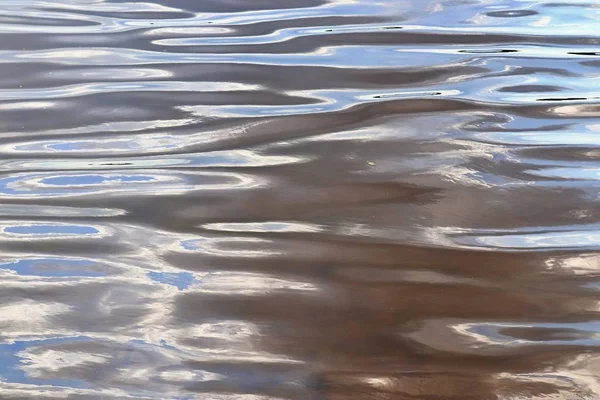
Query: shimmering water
x,y
317,199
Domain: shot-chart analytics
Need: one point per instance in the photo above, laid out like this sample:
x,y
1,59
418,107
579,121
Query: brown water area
x,y
300,199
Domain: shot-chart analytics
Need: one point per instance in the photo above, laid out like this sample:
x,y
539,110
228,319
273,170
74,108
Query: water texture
x,y
289,200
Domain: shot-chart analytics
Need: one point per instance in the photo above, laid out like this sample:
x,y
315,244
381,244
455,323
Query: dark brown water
x,y
286,199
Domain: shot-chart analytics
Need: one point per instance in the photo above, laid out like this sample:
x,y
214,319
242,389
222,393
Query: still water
x,y
300,199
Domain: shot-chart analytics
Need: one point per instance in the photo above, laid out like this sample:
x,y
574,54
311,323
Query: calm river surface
x,y
300,199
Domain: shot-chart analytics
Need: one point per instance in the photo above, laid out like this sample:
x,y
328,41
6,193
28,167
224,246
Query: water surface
x,y
317,199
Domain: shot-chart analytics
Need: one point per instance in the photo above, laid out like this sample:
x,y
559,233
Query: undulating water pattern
x,y
300,199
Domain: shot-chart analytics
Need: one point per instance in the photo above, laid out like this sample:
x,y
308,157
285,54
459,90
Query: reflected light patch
x,y
264,227
39,231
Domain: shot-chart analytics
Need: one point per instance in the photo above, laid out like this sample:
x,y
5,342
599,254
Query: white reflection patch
x,y
229,247
245,283
264,227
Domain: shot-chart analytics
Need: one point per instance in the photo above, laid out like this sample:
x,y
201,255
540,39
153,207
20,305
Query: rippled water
x,y
317,199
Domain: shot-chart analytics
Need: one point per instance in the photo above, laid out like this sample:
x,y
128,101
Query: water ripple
x,y
319,199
